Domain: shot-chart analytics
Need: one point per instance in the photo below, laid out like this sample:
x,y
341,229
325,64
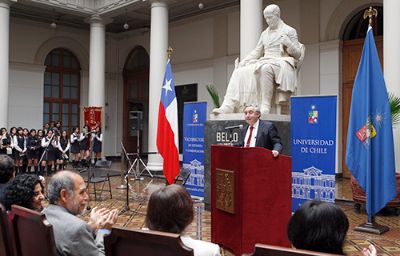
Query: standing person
x,y
6,142
20,149
50,145
25,157
170,209
84,145
260,133
63,147
13,133
46,127
97,140
33,152
67,198
75,147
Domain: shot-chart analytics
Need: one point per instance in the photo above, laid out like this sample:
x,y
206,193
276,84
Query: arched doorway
x,y
136,100
353,41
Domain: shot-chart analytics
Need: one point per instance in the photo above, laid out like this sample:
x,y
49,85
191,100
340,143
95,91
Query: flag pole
x,y
371,226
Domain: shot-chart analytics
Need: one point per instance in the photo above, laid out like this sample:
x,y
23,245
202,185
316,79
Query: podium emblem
x,y
225,190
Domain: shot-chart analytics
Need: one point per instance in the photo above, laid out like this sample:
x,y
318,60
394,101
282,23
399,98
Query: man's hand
x,y
275,153
97,217
110,219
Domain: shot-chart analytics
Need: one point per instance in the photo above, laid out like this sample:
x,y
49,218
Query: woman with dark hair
x,y
6,143
33,144
97,140
84,145
26,191
170,209
319,226
20,149
63,147
50,145
74,140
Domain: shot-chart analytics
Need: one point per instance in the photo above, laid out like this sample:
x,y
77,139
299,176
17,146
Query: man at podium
x,y
260,133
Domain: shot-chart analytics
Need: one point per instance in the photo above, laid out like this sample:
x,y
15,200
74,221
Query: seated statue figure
x,y
272,64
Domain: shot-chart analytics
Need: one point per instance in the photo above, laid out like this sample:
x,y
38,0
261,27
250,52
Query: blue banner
x,y
194,118
313,145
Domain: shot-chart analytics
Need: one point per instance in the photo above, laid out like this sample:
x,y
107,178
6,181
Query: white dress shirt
x,y
253,135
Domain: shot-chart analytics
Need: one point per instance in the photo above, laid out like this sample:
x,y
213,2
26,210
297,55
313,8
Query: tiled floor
x,y
387,244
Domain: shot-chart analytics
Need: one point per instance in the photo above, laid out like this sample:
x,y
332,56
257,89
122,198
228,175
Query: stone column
x,y
251,22
391,57
97,57
158,61
4,59
97,67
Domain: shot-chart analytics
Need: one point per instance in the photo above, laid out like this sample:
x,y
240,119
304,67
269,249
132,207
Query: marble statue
x,y
270,68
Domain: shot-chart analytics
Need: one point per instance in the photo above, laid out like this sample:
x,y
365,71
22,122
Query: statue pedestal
x,y
215,133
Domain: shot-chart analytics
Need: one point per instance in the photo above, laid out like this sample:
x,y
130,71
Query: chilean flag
x,y
167,130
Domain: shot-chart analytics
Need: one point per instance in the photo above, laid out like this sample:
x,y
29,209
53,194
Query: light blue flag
x,y
370,152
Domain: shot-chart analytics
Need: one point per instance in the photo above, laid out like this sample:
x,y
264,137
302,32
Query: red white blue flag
x,y
167,130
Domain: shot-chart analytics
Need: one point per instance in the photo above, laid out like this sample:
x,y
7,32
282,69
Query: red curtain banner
x,y
92,116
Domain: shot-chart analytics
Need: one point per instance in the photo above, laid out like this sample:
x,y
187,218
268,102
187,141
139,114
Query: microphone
x,y
240,126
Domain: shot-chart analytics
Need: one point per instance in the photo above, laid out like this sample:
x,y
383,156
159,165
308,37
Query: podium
x,y
250,198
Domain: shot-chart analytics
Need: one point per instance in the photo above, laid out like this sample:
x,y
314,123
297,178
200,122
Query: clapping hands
x,y
102,218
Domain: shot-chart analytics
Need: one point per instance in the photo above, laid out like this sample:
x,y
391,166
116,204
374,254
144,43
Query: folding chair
x,y
98,174
182,176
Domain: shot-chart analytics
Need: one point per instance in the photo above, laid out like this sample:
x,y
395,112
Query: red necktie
x,y
249,138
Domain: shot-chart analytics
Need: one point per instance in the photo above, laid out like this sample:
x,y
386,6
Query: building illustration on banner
x,y
196,173
313,184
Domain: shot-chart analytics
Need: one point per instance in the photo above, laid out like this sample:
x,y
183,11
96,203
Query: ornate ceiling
x,y
136,13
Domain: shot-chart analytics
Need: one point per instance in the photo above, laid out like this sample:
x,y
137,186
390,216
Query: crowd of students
x,y
50,146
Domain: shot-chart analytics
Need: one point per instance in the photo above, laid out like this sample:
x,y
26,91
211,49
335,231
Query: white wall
x,y
26,95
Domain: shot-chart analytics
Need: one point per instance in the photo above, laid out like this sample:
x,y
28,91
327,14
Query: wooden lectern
x,y
250,198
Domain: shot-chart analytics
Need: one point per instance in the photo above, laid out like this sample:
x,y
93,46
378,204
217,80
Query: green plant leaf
x,y
213,94
395,108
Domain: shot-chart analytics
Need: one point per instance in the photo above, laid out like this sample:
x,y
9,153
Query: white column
x,y
158,61
251,22
391,57
4,59
97,62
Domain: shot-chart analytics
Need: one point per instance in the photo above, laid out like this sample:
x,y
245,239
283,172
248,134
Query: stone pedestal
x,y
215,133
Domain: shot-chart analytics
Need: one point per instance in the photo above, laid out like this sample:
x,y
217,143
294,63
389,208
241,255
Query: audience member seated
x,y
320,226
170,209
7,172
26,191
67,198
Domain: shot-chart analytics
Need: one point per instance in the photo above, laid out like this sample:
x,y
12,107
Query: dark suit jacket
x,y
267,136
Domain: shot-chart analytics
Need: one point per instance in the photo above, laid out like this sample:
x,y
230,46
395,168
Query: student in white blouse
x,y
170,209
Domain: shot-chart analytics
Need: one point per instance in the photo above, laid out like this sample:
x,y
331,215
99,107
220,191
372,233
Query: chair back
x,y
103,164
124,241
33,235
6,242
271,250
